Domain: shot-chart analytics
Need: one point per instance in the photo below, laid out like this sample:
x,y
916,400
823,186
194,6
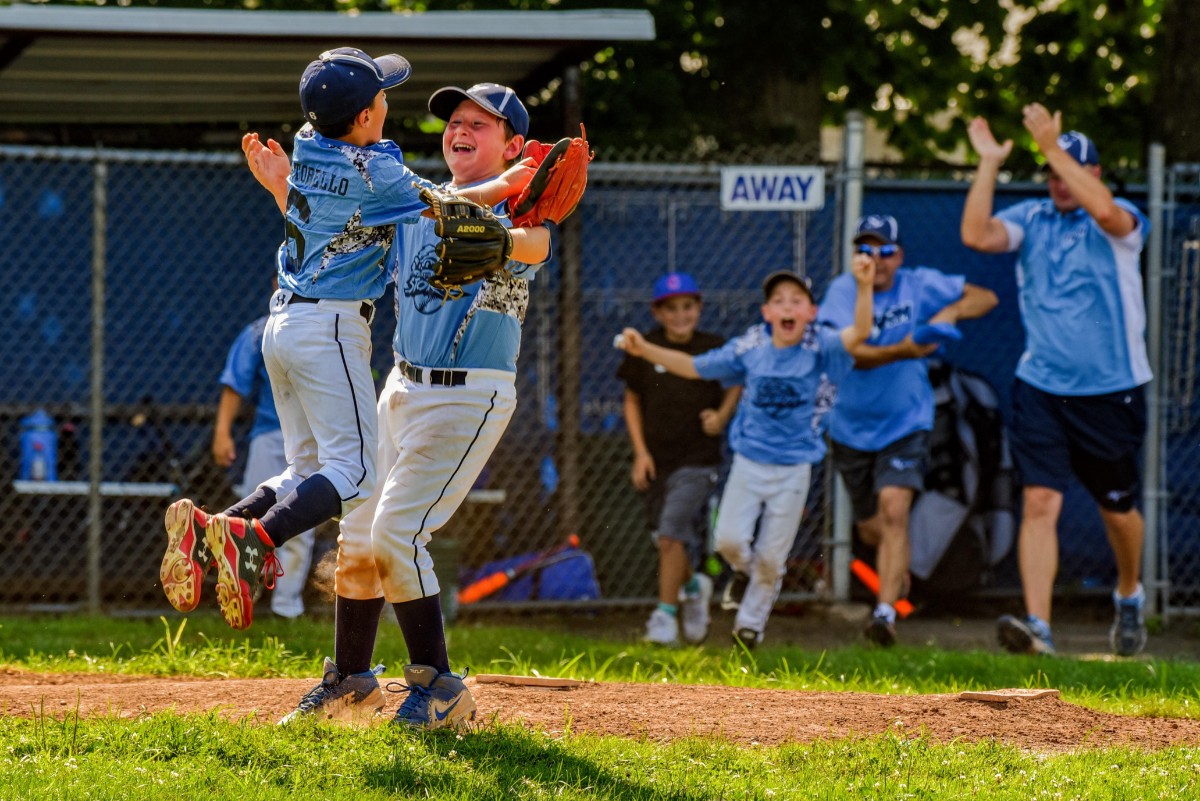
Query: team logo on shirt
x,y
417,286
777,398
893,317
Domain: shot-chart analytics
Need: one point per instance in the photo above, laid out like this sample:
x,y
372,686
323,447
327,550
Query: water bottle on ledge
x,y
39,447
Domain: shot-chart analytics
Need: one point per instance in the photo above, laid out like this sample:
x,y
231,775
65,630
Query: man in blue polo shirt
x,y
880,423
1079,405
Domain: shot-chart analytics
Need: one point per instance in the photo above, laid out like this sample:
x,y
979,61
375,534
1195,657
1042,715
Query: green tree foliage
x,y
726,73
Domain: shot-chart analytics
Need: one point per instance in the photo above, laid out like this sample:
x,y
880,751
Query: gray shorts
x,y
678,507
900,464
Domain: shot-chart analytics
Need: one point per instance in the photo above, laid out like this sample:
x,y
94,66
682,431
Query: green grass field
x,y
203,756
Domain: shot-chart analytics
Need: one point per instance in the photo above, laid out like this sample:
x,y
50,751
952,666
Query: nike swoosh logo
x,y
441,714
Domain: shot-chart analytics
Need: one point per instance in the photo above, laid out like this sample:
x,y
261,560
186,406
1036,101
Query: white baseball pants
x,y
318,356
433,443
778,493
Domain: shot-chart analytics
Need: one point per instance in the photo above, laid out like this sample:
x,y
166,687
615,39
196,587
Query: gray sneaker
x,y
693,610
1028,636
340,697
435,700
1128,633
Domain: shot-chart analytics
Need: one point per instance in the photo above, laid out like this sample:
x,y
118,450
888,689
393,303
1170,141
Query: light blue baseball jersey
x,y
876,407
480,330
342,208
776,421
246,374
1080,292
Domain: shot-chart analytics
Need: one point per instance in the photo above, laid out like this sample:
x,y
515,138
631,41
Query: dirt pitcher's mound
x,y
651,711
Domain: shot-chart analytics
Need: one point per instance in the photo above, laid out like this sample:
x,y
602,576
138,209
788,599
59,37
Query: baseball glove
x,y
475,243
558,184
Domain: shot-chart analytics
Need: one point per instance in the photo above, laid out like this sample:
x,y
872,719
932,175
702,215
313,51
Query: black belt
x,y
365,310
437,378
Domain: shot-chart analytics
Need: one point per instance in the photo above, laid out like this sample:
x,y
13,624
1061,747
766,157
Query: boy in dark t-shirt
x,y
675,426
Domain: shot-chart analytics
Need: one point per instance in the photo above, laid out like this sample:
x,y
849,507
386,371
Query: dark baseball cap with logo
x,y
1079,147
779,276
878,226
491,97
342,82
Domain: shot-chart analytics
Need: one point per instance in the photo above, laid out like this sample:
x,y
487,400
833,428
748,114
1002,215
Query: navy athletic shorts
x,y
901,464
1096,438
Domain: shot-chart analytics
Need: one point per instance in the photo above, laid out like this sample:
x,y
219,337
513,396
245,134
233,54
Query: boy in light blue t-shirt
x,y
774,435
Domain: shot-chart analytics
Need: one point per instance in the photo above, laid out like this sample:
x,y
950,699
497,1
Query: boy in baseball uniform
x,y
774,434
443,409
348,189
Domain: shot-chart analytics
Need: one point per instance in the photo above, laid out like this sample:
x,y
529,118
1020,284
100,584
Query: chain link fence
x,y
164,258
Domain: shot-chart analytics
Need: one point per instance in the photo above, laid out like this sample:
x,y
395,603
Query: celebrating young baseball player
x,y
1079,399
442,411
674,427
774,434
342,201
880,425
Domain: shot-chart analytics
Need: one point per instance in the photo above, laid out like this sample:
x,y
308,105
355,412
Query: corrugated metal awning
x,y
76,65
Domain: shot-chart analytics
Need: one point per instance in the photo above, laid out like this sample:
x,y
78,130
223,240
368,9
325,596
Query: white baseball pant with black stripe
x,y
318,356
433,443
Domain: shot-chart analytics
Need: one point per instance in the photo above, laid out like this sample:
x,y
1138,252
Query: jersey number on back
x,y
292,232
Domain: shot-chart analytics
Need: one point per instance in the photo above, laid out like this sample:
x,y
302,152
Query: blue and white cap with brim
x,y
491,97
342,82
1079,147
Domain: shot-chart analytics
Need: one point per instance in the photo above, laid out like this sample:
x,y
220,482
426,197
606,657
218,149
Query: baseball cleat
x,y
1028,636
435,700
881,631
1128,633
662,628
747,638
187,558
245,558
693,610
735,588
339,697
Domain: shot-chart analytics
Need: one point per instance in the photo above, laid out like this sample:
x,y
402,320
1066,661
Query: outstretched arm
x,y
1084,182
270,165
675,361
980,230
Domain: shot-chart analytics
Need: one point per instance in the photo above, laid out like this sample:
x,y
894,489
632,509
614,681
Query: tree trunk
x,y
1178,96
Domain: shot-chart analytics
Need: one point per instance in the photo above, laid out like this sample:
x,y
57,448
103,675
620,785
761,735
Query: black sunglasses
x,y
878,251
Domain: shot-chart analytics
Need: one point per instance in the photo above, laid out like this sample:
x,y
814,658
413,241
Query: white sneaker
x,y
694,610
662,628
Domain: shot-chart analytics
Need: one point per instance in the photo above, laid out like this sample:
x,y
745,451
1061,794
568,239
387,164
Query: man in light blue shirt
x,y
880,422
1079,404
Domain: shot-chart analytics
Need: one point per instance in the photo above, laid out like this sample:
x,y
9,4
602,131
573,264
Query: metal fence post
x,y
852,192
96,442
1154,493
570,361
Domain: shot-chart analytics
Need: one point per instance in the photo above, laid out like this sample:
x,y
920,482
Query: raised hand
x,y
985,143
1044,126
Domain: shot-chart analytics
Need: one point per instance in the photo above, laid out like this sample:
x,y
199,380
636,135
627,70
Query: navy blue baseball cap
x,y
779,276
674,284
491,97
344,81
1079,147
878,226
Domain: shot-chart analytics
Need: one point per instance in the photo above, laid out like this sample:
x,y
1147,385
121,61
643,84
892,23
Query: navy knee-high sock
x,y
308,506
354,628
255,504
421,624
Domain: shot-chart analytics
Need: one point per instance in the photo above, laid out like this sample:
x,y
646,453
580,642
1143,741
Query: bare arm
x,y
643,470
1084,182
224,452
868,357
713,421
863,268
976,301
508,183
530,245
270,165
979,229
675,361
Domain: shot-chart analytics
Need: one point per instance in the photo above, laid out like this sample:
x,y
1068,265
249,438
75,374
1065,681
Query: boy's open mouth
x,y
462,147
787,325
